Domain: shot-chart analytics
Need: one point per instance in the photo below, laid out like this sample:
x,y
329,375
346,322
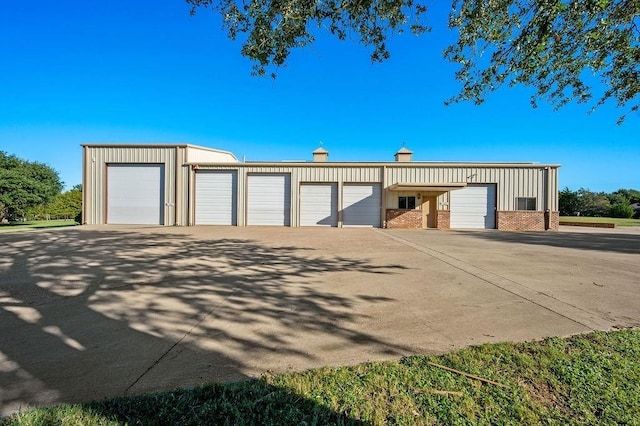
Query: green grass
x,y
617,221
587,379
36,224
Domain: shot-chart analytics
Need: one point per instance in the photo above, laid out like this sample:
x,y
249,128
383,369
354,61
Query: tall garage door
x,y
135,194
268,200
473,207
319,204
361,205
216,198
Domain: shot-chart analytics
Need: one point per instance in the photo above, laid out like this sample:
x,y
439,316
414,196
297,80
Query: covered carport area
x,y
419,205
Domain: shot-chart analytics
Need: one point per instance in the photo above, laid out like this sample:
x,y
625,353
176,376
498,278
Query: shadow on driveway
x,y
612,242
87,314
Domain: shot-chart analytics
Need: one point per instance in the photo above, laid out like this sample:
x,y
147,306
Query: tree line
x,y
623,203
66,205
31,190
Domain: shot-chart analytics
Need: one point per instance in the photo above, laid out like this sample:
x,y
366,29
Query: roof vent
x,y
320,155
403,155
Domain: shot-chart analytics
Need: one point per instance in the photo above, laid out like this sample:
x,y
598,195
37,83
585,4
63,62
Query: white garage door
x,y
216,198
319,204
473,207
361,205
135,194
268,200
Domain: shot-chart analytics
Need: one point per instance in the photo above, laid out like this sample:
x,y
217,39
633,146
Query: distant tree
x,y
632,195
67,205
587,203
553,46
628,198
569,203
618,198
78,194
595,204
24,184
621,210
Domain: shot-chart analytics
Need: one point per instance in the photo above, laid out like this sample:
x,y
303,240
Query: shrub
x,y
621,210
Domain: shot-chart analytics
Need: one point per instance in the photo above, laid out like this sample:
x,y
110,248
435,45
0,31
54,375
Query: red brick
x,y
443,219
528,220
407,219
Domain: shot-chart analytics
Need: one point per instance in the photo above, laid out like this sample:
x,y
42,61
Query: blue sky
x,y
121,71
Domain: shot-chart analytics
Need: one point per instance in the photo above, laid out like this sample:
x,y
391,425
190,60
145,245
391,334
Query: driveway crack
x,y
178,342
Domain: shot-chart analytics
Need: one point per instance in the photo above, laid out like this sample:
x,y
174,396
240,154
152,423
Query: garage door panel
x,y
135,194
473,207
269,200
319,204
216,198
361,205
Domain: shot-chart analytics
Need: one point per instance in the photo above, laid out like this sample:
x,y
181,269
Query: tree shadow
x,y
250,402
87,314
612,242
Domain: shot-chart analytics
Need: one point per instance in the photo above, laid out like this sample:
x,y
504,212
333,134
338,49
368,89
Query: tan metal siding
x,y
182,188
363,175
511,182
310,173
553,187
86,200
318,174
242,198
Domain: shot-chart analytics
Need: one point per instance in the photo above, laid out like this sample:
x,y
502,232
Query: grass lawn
x,y
36,224
618,222
587,379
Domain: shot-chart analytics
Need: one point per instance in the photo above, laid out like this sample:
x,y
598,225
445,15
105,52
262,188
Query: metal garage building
x,y
190,185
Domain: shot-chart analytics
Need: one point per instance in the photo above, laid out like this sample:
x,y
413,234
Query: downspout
x,y
340,190
547,211
85,167
383,212
190,203
177,170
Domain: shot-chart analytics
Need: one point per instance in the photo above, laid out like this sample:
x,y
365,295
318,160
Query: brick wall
x,y
522,220
407,219
507,220
443,219
553,219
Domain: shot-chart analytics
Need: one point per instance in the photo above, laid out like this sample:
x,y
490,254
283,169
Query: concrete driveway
x,y
91,312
